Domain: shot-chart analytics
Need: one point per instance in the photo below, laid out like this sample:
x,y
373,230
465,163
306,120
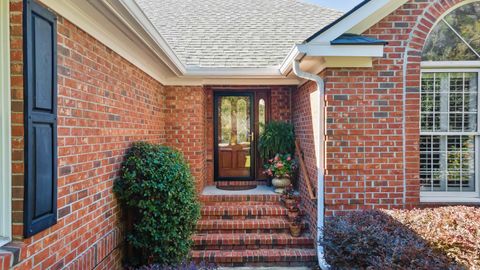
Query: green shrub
x,y
278,138
158,193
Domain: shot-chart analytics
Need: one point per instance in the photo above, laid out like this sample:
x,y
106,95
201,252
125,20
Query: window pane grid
x,y
447,163
449,130
449,102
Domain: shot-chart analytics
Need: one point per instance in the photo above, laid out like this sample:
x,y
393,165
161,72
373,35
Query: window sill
x,y
11,252
449,200
4,241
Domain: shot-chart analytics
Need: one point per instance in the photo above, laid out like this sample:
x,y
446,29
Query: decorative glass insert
x,y
262,116
456,37
449,131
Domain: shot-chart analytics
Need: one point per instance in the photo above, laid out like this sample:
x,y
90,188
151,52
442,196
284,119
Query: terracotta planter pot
x,y
292,214
295,229
290,203
280,184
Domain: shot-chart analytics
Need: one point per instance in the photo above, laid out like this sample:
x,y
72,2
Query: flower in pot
x,y
296,227
293,213
289,197
281,168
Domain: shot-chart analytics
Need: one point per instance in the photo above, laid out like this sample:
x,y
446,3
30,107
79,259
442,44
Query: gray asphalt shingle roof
x,y
235,33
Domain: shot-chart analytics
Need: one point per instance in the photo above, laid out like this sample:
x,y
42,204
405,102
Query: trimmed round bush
x,y
157,191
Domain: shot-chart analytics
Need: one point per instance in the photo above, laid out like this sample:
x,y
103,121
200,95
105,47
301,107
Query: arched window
x,y
449,141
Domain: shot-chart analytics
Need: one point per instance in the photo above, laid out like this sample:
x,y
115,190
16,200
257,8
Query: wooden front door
x,y
239,119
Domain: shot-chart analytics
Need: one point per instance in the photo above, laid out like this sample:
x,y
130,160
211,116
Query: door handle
x,y
252,136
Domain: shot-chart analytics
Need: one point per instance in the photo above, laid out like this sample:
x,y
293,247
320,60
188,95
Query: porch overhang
x,y
316,57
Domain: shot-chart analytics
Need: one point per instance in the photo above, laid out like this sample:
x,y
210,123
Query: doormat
x,y
236,187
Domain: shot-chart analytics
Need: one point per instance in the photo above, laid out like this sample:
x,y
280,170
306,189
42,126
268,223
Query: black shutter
x,y
40,75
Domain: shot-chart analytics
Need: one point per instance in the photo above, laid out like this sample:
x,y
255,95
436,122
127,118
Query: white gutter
x,y
320,163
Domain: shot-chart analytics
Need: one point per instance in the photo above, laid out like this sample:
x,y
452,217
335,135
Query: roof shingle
x,y
235,33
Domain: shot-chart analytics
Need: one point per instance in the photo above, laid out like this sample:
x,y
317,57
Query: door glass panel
x,y
234,136
262,117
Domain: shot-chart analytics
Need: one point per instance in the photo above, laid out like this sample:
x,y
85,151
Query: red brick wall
x,y
302,120
104,104
365,117
185,127
280,111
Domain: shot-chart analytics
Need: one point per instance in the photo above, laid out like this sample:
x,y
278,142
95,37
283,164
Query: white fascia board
x,y
137,14
192,81
293,54
91,20
341,50
270,72
360,20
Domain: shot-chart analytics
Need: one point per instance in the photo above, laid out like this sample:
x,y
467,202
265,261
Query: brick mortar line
x,y
95,246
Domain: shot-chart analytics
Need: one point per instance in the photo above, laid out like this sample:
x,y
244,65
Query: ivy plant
x,y
157,191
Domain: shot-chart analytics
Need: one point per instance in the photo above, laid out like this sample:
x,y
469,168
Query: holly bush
x,y
157,192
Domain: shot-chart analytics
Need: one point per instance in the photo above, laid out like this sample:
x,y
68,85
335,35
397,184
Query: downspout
x,y
322,262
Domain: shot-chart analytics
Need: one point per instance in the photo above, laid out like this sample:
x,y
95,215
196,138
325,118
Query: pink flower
x,y
279,165
277,158
289,158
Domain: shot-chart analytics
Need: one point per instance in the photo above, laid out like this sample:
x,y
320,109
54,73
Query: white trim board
x,y
5,127
359,20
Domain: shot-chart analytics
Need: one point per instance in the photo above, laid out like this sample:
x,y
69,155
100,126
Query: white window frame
x,y
5,126
446,196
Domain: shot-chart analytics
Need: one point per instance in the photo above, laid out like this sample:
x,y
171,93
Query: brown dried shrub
x,y
437,238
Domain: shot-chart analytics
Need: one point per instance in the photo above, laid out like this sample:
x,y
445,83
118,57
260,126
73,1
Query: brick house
x,y
384,100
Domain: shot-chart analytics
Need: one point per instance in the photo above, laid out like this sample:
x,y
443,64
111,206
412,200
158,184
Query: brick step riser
x,y
312,263
257,258
275,212
250,247
253,203
228,217
240,198
276,230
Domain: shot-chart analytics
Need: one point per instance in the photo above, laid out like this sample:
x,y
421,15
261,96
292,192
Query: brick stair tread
x,y
274,203
220,224
240,198
249,239
244,210
254,256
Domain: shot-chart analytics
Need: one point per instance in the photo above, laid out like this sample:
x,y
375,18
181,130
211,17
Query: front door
x,y
234,136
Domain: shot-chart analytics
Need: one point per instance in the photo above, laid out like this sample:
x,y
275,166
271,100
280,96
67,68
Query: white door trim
x,y
5,127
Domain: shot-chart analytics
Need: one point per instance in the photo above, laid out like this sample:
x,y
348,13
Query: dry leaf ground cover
x,y
433,238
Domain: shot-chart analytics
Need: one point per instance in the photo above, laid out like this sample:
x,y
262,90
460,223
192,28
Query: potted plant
x,y
281,168
296,227
289,198
278,138
293,213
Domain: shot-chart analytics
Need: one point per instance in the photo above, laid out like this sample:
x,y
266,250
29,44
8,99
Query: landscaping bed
x,y
433,238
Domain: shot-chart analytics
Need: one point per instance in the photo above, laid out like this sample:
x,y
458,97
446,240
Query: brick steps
x,y
242,211
270,225
262,257
248,230
239,241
